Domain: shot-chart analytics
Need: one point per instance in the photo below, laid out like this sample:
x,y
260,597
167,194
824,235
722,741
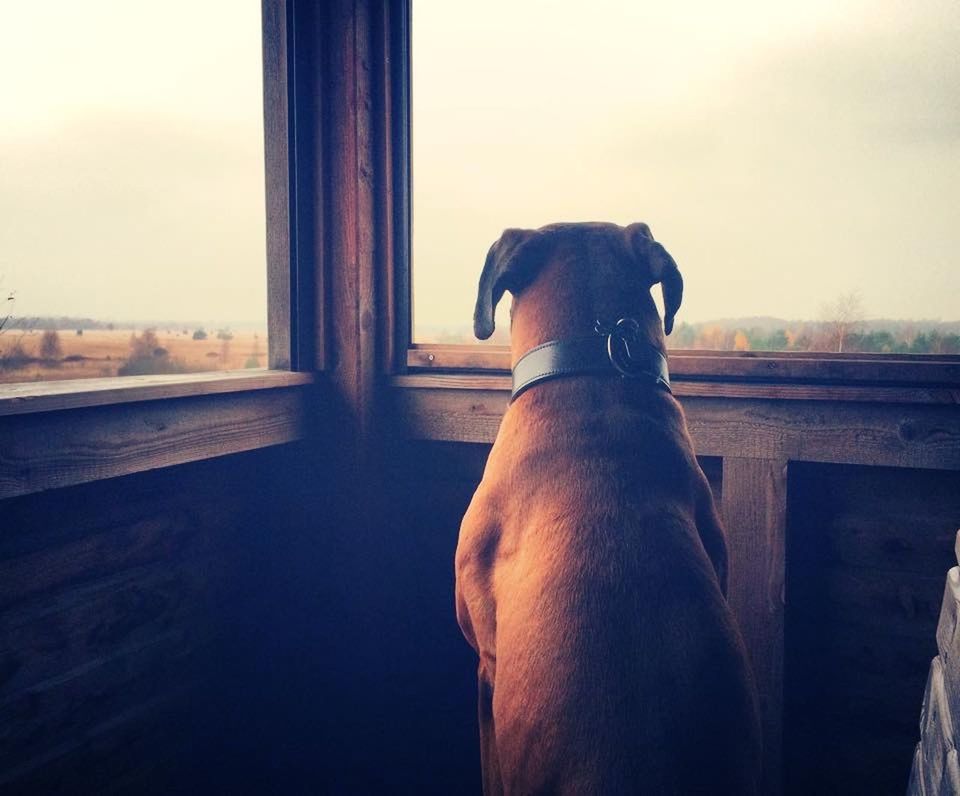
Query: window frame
x,y
898,378
60,433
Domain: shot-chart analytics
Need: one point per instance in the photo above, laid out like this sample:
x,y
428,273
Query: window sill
x,y
54,435
892,426
47,396
747,367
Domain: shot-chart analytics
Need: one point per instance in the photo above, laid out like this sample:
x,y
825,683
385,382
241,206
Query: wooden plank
x,y
276,140
63,632
398,136
59,710
307,173
754,513
456,416
141,748
57,449
356,243
684,386
883,519
159,537
840,433
391,122
54,396
759,366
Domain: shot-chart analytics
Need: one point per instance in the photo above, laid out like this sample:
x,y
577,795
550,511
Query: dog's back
x,y
617,668
591,563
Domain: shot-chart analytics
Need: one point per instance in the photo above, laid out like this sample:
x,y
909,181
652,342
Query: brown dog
x,y
591,565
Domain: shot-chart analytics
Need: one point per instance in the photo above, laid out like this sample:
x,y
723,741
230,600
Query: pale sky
x,y
784,152
131,159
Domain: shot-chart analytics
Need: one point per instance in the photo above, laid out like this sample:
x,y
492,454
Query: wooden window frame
x,y
917,378
55,434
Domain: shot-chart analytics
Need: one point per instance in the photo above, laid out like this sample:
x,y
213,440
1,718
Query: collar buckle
x,y
624,348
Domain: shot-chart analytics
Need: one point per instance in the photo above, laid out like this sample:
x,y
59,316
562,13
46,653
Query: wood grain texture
x,y
57,449
115,597
351,221
276,139
841,433
879,369
692,386
397,271
53,396
867,551
754,513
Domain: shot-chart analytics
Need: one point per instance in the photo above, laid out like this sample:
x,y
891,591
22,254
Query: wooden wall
x,y
135,617
235,625
868,549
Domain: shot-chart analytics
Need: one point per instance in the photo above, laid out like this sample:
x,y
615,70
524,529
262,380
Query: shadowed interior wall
x,y
239,625
868,551
132,612
867,557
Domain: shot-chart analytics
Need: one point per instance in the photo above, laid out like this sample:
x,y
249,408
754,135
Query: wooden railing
x,y
760,431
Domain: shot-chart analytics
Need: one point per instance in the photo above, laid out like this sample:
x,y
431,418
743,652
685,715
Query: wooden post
x,y
754,512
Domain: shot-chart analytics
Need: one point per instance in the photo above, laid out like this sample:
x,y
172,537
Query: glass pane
x,y
132,232
801,161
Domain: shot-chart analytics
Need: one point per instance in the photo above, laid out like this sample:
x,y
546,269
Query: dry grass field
x,y
99,352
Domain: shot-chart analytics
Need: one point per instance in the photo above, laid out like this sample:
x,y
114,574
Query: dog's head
x,y
564,276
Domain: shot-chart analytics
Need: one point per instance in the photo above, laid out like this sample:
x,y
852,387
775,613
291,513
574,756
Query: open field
x,y
99,352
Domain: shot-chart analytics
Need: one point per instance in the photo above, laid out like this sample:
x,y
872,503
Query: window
x,y
799,160
61,431
133,239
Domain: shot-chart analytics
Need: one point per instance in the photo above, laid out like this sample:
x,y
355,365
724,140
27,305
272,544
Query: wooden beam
x,y
276,138
684,387
768,366
54,396
881,434
754,512
55,449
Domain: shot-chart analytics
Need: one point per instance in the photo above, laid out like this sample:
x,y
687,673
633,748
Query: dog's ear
x,y
511,264
662,267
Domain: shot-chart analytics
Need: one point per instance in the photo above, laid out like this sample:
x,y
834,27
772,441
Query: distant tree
x,y
841,317
143,346
224,334
148,356
740,341
50,347
200,334
79,332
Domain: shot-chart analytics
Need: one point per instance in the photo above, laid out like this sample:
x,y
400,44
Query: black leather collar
x,y
612,350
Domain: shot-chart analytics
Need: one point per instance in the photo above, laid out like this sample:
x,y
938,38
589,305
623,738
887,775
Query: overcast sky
x,y
784,152
131,159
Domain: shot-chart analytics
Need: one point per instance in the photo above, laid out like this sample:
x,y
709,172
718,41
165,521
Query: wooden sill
x,y
60,434
837,424
688,387
887,370
48,396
